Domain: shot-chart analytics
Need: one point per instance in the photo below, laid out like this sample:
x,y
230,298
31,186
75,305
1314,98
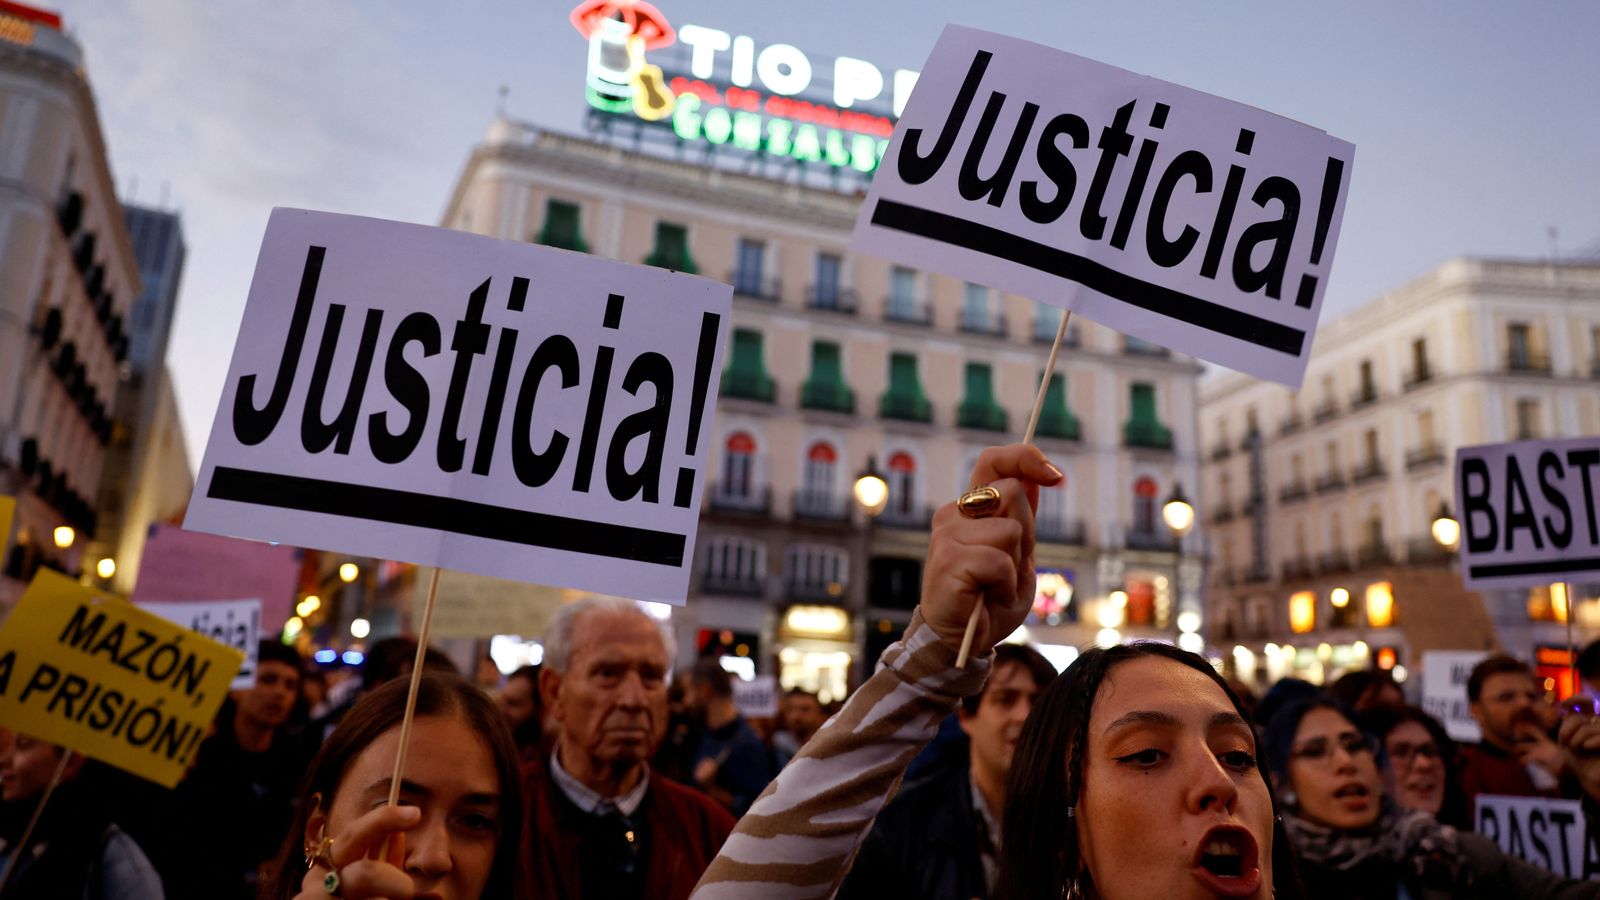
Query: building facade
x,y
1320,501
67,279
836,362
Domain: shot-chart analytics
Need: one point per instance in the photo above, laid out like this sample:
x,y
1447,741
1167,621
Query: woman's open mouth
x,y
1228,862
1353,797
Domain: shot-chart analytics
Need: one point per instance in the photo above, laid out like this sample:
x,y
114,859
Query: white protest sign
x,y
756,698
1198,223
476,606
1548,833
447,399
1444,691
232,623
1530,512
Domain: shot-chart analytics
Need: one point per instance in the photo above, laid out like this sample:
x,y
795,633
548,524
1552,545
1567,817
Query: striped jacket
x,y
799,838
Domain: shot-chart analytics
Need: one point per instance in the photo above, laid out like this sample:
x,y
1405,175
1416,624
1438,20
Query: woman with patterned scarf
x,y
1353,843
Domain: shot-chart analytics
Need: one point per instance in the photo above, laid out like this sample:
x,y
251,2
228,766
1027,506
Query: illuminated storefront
x,y
816,646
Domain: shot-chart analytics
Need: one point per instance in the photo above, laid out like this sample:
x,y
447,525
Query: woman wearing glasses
x,y
1421,772
1354,843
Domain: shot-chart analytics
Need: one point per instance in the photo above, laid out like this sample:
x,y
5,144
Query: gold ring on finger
x,y
980,502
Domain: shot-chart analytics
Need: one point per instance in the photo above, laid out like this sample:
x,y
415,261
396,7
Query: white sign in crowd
x,y
1178,217
448,399
1444,691
1530,512
232,623
1550,833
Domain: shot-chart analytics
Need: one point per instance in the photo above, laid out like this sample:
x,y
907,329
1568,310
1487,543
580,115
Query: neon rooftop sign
x,y
724,89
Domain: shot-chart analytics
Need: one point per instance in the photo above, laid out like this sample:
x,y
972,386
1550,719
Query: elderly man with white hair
x,y
600,823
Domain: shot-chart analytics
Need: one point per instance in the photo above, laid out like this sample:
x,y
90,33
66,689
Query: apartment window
x,y
1252,424
734,561
1052,506
1144,505
902,293
1047,321
738,465
904,399
822,461
825,290
978,407
1419,360
1143,428
1527,419
672,248
824,569
561,228
747,276
1519,347
1370,441
1296,472
1369,388
826,388
902,483
1333,456
746,375
1224,489
1425,428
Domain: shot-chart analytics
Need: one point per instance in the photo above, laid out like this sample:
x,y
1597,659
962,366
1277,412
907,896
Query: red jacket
x,y
686,829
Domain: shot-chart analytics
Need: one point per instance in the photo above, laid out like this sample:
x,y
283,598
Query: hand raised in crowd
x,y
1579,739
353,856
987,560
1535,746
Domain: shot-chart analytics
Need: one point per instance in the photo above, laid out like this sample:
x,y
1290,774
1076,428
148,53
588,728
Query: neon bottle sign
x,y
736,92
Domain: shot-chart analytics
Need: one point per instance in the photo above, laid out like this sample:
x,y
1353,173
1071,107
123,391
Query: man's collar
x,y
589,800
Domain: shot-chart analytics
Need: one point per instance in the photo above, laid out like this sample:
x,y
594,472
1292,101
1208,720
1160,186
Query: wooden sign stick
x,y
1027,438
22,843
411,695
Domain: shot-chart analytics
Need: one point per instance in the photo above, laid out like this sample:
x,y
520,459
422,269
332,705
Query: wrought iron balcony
x,y
803,591
732,584
827,395
990,322
1221,451
1293,492
907,310
1424,456
1325,411
1329,482
905,407
1528,363
748,500
1364,397
1147,435
1296,567
1160,540
1426,551
1291,423
1060,530
915,518
1371,470
1334,561
821,506
751,286
757,386
832,299
1417,377
1373,554
981,416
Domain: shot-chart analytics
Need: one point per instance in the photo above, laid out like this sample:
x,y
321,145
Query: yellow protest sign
x,y
98,675
8,508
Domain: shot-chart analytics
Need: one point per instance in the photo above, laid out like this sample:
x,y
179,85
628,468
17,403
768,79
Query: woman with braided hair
x,y
1136,775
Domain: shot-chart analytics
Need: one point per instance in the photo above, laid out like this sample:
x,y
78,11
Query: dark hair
x,y
438,694
529,672
393,657
1454,809
1039,852
710,673
1589,662
1353,688
1031,661
1277,739
1494,665
1281,694
279,652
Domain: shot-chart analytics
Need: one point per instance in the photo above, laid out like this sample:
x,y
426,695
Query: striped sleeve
x,y
800,836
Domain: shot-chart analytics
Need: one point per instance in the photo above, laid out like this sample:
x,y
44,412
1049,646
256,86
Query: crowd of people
x,y
609,772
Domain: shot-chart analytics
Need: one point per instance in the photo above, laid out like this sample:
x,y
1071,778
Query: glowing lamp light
x,y
64,536
1340,598
106,567
325,656
349,572
1558,600
1191,642
353,657
1107,637
1324,652
1302,612
1386,658
1271,651
1188,621
360,628
1400,674
1178,512
1359,648
292,628
309,605
1380,604
1445,529
1110,615
821,620
871,491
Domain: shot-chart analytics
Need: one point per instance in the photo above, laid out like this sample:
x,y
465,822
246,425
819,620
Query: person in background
x,y
1368,689
601,824
487,674
732,763
674,759
456,832
941,838
1352,842
1421,768
1516,757
76,850
314,692
801,716
519,701
1589,669
240,792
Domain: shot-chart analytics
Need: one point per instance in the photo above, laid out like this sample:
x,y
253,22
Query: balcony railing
x,y
1371,554
732,584
990,322
1044,332
832,299
752,286
905,407
1148,435
1060,530
1528,363
1417,377
1364,397
1221,451
1293,492
1291,423
757,386
1426,551
1222,513
756,501
1329,482
1296,567
907,311
1424,456
798,591
1325,411
1136,347
827,395
1334,561
1059,424
1594,367
1160,539
981,416
917,518
1371,470
821,506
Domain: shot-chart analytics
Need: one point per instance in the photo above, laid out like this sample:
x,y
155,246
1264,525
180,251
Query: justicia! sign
x,y
725,89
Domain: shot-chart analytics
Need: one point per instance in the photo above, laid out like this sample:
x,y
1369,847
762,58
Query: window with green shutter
x,y
672,249
561,227
978,408
746,376
1056,419
826,388
1143,428
904,398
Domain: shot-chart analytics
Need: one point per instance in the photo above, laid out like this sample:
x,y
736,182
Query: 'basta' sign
x,y
1191,221
1530,512
448,399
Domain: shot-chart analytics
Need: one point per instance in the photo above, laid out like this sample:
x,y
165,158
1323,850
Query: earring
x,y
311,851
1071,891
1289,798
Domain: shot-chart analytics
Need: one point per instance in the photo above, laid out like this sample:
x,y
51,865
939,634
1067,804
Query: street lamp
x,y
1178,513
64,536
349,572
106,567
1446,530
871,491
